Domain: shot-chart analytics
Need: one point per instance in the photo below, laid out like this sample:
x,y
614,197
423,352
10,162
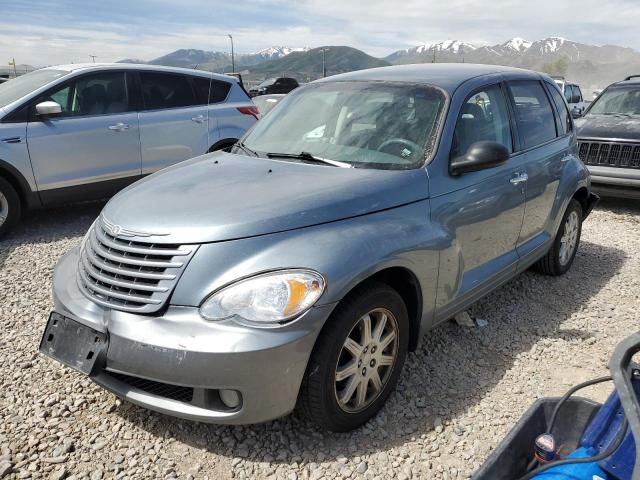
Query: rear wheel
x,y
10,208
357,360
560,256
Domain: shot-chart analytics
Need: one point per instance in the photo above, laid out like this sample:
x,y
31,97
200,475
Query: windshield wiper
x,y
246,149
307,157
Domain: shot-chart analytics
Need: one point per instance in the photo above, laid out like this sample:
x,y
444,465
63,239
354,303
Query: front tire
x,y
560,256
357,359
10,208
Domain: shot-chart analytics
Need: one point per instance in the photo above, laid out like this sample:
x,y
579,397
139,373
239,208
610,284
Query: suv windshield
x,y
364,124
624,100
19,87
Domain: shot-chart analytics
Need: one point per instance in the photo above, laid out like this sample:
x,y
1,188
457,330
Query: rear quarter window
x,y
219,90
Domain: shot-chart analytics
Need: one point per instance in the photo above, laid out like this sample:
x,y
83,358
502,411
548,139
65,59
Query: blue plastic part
x,y
583,471
603,429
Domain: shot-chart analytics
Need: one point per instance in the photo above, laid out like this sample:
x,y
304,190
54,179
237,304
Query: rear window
x,y
166,90
217,94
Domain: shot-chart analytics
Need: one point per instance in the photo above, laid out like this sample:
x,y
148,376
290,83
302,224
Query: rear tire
x,y
354,367
10,208
560,256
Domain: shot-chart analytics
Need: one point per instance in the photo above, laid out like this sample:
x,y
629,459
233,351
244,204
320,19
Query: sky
x,y
46,32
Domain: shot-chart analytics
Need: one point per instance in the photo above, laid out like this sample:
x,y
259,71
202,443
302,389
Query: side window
x,y
577,94
568,93
98,94
534,115
565,119
483,117
166,90
219,90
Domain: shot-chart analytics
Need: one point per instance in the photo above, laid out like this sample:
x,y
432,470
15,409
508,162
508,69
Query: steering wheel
x,y
412,146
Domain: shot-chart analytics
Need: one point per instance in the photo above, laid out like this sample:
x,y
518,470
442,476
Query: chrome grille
x,y
610,154
127,274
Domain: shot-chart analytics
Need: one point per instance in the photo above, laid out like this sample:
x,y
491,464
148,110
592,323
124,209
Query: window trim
x,y
31,104
512,100
187,76
515,141
557,113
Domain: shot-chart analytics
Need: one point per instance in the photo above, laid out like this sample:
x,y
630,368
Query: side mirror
x,y
481,155
576,112
48,108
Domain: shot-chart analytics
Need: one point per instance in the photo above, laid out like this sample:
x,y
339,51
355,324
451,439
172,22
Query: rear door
x,y
174,124
547,145
93,144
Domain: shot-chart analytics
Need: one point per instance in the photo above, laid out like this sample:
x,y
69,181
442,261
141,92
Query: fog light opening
x,y
231,398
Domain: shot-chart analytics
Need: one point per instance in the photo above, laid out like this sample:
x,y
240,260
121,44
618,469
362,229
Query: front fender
x,y
346,252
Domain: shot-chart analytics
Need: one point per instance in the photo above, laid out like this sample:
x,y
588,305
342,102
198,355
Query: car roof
x,y
631,81
88,67
447,76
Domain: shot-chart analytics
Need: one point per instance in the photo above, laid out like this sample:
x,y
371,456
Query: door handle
x,y
566,158
198,118
519,178
119,127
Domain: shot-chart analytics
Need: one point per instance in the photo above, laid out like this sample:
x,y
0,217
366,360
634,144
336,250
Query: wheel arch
x,y
406,283
222,144
28,198
582,196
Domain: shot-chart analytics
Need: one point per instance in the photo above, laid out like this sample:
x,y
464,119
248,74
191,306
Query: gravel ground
x,y
458,396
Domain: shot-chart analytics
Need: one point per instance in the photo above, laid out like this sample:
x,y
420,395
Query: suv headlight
x,y
266,299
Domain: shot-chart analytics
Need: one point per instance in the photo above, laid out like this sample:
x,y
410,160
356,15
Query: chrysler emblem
x,y
120,231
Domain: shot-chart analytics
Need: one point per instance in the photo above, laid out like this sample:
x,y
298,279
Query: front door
x,y
481,212
92,148
174,124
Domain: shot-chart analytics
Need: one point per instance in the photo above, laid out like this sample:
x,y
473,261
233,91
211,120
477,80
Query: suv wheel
x,y
357,359
9,206
560,256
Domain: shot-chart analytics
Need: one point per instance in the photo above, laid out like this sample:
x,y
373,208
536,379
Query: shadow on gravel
x,y
446,377
46,226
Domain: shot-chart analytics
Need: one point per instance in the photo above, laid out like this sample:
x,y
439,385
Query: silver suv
x,y
81,132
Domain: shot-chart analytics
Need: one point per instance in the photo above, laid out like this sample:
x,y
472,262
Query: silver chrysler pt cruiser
x,y
301,267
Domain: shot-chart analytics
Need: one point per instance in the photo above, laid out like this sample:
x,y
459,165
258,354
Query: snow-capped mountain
x,y
590,64
517,44
511,51
206,59
279,51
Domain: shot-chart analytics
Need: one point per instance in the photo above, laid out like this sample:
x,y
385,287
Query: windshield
x,y
365,124
25,84
266,83
624,100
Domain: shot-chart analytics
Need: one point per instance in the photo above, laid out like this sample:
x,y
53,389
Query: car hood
x,y
223,196
609,127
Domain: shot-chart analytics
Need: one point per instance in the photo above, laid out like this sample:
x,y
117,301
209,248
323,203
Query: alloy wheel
x,y
569,239
4,209
366,360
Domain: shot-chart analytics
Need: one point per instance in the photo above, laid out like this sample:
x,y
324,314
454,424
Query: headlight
x,y
267,298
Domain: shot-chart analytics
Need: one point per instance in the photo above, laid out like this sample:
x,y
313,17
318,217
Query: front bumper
x,y
179,348
615,182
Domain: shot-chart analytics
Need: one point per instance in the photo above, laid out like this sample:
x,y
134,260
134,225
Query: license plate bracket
x,y
73,344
